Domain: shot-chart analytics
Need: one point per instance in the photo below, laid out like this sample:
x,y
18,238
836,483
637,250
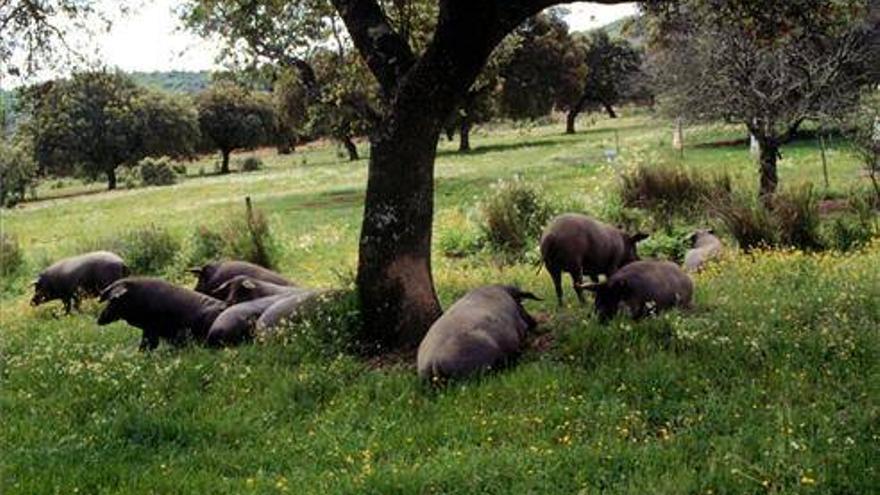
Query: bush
x,y
326,326
157,171
797,216
854,229
207,245
671,190
670,244
146,251
11,257
514,216
18,174
792,221
247,238
251,164
749,222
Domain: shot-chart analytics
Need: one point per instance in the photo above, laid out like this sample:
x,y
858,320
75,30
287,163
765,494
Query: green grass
x,y
770,385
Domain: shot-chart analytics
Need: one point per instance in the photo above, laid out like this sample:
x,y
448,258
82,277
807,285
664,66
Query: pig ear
x,y
641,236
115,291
222,288
249,284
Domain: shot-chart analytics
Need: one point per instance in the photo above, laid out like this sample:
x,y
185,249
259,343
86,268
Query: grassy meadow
x,y
771,385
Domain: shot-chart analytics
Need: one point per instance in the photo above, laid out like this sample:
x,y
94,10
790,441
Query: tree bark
x,y
395,285
464,143
111,179
224,164
570,119
767,159
610,110
351,148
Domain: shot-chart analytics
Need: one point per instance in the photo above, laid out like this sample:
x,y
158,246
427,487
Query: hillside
x,y
174,81
768,385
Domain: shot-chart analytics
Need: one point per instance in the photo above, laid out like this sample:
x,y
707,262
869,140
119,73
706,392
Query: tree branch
x,y
387,54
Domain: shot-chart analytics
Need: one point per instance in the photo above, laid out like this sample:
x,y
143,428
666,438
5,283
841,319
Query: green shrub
x,y
146,250
157,171
670,190
853,229
247,238
791,221
149,250
11,256
514,216
797,215
326,326
178,168
251,164
206,245
748,221
670,244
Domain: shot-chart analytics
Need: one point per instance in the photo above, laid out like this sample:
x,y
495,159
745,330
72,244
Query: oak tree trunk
x,y
767,160
224,164
464,143
111,179
350,148
570,119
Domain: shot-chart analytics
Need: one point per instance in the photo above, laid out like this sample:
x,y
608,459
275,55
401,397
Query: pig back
x,y
481,330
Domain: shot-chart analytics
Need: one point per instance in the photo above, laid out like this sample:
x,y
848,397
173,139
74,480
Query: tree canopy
x,y
95,122
232,117
768,65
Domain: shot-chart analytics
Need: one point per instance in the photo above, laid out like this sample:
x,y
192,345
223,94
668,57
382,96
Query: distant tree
x,y
611,67
96,122
291,110
18,172
232,117
767,65
349,103
538,71
307,38
862,127
481,102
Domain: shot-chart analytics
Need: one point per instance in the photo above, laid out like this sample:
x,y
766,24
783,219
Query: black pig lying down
x,y
241,288
483,330
236,323
580,245
213,275
84,274
643,287
284,309
160,309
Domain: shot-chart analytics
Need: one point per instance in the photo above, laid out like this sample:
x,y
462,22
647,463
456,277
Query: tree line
x,y
95,122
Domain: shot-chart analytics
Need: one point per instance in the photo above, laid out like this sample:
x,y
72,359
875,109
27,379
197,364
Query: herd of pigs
x,y
235,300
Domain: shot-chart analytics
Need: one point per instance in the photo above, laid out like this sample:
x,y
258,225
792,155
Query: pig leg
x,y
577,278
149,341
67,303
556,275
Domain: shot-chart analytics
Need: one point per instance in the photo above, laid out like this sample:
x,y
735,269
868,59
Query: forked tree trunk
x,y
111,179
350,148
767,163
224,164
464,143
395,286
